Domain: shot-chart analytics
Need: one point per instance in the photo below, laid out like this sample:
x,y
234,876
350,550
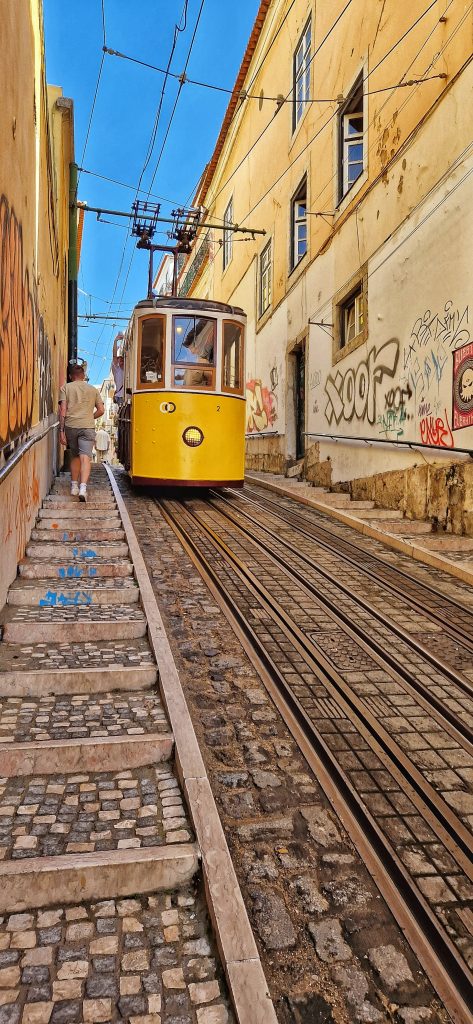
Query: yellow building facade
x,y
348,140
36,132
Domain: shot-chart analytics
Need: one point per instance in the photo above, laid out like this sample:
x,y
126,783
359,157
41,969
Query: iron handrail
x,y
21,451
382,440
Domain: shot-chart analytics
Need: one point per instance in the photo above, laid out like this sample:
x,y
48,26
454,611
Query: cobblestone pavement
x,y
142,960
57,718
93,654
145,959
329,945
46,817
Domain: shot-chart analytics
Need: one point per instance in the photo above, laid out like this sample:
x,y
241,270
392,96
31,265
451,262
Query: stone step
x,y
77,681
78,553
108,752
76,667
62,522
446,542
79,512
354,504
81,717
72,829
53,501
335,500
69,592
87,535
379,514
409,527
56,569
104,961
72,623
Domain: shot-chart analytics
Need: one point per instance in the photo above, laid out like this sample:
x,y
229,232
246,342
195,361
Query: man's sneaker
x,y
74,488
83,492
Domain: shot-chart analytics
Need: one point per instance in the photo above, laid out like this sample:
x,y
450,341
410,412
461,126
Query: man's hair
x,y
76,370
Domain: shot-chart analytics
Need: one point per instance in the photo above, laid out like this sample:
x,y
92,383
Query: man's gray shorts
x,y
80,440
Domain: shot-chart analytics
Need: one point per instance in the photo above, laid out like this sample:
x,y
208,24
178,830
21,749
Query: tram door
x,y
300,401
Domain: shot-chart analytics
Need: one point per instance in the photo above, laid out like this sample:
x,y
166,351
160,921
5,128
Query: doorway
x,y
299,388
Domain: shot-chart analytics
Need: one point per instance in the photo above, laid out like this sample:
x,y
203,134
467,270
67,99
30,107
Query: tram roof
x,y
202,305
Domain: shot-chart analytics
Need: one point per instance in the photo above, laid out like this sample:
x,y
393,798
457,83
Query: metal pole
x,y
150,273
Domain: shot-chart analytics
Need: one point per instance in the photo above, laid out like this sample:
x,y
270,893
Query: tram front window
x,y
151,351
193,351
232,357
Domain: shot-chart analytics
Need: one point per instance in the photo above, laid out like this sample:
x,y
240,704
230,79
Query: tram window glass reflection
x,y
152,351
232,357
194,340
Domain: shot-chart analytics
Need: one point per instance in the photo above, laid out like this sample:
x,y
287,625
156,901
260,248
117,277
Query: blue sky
x,y
122,123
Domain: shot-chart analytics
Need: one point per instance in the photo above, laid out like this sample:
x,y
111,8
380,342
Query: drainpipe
x,y
72,262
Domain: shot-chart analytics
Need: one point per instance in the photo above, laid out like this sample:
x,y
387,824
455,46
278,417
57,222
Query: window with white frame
x,y
228,235
301,75
265,278
351,317
299,224
351,139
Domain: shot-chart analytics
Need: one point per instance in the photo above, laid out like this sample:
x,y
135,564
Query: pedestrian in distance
x,y
102,444
118,370
80,404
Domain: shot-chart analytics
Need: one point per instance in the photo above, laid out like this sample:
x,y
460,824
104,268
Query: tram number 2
x,y
218,408
167,407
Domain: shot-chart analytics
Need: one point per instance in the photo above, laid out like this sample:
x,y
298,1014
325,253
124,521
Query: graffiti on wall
x,y
261,406
434,336
463,387
17,330
45,381
435,430
353,395
20,503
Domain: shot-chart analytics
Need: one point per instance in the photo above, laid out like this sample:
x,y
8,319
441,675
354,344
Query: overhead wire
x,y
96,91
177,29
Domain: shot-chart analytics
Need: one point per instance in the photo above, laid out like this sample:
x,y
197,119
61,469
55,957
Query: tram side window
x,y
232,357
193,351
152,351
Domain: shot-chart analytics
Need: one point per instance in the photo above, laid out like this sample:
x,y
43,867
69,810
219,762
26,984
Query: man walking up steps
x,y
79,405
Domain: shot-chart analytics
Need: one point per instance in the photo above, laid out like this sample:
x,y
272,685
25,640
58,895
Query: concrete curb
x,y
92,754
406,547
73,878
237,946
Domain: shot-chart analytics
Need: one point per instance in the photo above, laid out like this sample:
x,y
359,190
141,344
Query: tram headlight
x,y
193,436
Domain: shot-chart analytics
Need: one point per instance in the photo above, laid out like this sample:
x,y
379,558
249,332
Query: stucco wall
x,y
37,145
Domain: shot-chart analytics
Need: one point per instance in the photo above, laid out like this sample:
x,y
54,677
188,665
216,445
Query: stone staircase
x,y
99,919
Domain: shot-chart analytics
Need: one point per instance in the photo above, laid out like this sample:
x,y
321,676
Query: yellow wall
x,y
397,221
36,150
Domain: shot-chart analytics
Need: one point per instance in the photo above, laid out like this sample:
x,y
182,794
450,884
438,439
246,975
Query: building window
x,y
351,139
301,75
351,317
232,363
228,235
299,225
151,352
265,289
193,351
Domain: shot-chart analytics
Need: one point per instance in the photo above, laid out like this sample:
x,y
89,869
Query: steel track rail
x,y
357,632
435,950
336,545
444,821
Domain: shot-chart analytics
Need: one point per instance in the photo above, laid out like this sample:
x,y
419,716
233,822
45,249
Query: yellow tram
x,y
182,422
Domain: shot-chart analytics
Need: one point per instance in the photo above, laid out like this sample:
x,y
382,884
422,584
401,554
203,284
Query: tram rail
x,y
323,712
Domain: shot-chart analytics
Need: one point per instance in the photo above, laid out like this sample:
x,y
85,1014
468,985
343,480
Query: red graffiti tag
x,y
436,431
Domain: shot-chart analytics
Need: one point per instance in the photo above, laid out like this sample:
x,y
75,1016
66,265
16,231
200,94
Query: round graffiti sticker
x,y
167,407
463,386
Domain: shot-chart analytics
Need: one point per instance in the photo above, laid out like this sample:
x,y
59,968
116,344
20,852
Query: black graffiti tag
x,y
352,395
